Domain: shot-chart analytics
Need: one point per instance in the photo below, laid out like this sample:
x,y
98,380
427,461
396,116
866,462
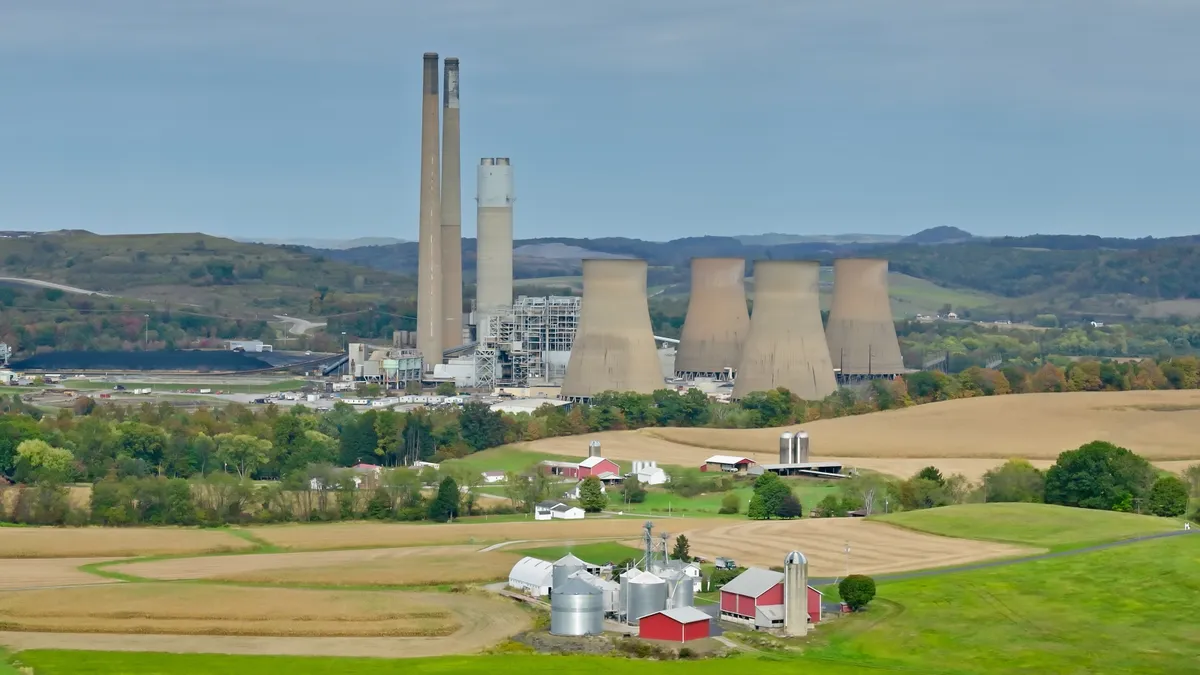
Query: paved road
x,y
51,284
1015,561
299,326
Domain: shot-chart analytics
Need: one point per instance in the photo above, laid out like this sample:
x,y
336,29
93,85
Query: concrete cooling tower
x,y
494,244
717,320
451,205
429,256
786,345
861,332
614,346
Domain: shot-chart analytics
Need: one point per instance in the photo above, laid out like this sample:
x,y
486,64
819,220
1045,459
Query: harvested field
x,y
874,548
54,542
380,535
414,566
25,574
199,610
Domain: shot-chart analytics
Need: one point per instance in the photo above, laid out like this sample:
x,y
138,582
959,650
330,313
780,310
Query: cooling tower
x,y
451,199
861,332
786,344
614,346
494,222
717,321
429,256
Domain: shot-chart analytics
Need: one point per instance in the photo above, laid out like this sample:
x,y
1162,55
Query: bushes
x,y
857,591
730,504
1169,497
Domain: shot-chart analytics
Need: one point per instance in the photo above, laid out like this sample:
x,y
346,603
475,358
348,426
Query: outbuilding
x,y
679,624
532,576
727,463
755,598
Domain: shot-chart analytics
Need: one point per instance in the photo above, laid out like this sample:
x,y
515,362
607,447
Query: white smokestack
x,y
494,225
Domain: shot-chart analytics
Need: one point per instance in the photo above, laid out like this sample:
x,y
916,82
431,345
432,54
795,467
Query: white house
x,y
493,476
542,510
549,510
648,473
532,576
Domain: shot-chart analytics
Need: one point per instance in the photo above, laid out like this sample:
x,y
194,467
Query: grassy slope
x,y
598,554
506,458
1054,527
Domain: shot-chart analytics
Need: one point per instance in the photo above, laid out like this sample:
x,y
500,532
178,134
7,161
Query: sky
x,y
657,120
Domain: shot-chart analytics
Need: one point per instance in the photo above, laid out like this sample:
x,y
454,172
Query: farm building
x,y
493,476
648,473
728,463
679,624
550,510
592,466
755,598
531,576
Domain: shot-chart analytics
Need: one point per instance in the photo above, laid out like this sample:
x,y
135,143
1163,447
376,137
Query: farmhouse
x,y
728,463
755,598
679,624
592,466
493,476
548,510
531,576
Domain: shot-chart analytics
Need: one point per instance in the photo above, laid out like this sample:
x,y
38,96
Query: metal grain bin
x,y
785,447
682,592
624,580
647,595
564,567
576,609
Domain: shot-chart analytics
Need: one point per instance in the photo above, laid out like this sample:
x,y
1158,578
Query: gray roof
x,y
764,615
576,587
561,507
685,614
548,504
753,582
570,559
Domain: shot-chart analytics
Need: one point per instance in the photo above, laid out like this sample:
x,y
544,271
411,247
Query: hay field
x,y
874,548
54,542
381,535
193,609
414,566
31,573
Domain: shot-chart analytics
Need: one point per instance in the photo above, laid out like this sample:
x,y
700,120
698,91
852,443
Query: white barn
x,y
532,576
648,473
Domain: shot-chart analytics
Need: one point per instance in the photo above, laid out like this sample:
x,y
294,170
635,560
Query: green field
x,y
1053,527
506,458
659,501
598,553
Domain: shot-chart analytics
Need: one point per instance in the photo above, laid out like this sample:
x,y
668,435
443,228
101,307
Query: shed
x,y
566,512
532,576
681,624
729,463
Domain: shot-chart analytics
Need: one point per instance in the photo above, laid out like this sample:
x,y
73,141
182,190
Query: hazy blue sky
x,y
650,118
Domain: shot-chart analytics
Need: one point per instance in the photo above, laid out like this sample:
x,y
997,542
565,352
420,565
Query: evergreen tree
x,y
591,495
445,506
682,549
790,507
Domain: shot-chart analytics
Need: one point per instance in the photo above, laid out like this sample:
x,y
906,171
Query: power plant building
x,y
861,332
786,345
717,320
451,208
429,258
528,343
614,347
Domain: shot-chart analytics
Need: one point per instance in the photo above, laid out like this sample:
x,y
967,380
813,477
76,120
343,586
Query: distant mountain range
x,y
328,244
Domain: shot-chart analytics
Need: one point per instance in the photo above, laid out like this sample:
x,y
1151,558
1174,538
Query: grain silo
x,y
577,608
786,345
624,590
717,320
564,567
795,594
614,347
786,448
610,590
681,591
862,333
800,447
647,595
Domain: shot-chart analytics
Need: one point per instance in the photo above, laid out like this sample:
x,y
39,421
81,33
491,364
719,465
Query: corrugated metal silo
x,y
594,449
786,445
564,567
624,592
682,592
647,595
576,609
861,331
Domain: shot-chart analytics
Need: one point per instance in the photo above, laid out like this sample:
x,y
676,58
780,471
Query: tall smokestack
x,y
861,331
429,261
786,346
494,243
717,320
614,346
452,268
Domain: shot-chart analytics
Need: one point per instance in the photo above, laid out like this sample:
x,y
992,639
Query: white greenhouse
x,y
531,576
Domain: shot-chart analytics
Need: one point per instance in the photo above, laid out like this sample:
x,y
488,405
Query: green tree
x,y
832,507
1098,475
857,591
1015,481
591,495
1169,497
790,507
633,491
682,550
45,461
481,426
1192,476
730,503
445,389
932,473
243,452
769,493
445,505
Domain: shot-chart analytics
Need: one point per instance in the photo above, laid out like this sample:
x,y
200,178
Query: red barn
x,y
727,463
680,624
594,466
755,597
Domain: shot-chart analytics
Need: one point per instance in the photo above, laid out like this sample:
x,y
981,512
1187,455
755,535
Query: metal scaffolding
x,y
528,343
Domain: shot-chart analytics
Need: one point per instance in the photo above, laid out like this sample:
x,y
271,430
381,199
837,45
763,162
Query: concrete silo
x,y
451,199
786,345
717,320
861,331
795,594
429,256
614,346
494,236
576,609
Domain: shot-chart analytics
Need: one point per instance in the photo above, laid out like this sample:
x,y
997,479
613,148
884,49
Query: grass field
x,y
47,542
508,458
598,554
1053,527
809,492
412,566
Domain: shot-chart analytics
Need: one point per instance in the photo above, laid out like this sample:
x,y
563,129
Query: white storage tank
x,y
577,608
801,447
785,447
647,595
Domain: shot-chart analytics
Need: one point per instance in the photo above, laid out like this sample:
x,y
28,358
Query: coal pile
x,y
196,360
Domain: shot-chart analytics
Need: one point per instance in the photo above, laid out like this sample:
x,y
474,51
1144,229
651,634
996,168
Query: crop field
x,y
46,542
1030,524
380,535
29,573
412,566
597,554
874,548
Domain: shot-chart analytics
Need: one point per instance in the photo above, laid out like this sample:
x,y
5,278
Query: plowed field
x,y
24,574
54,542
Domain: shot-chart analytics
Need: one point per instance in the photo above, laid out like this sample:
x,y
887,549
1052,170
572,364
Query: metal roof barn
x,y
532,576
680,624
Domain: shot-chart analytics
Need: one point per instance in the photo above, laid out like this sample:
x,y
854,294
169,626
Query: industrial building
x,y
767,599
861,332
678,624
390,367
786,345
527,342
717,320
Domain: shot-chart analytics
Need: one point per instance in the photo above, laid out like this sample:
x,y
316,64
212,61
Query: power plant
x,y
717,320
786,345
861,332
429,263
451,205
614,348
494,250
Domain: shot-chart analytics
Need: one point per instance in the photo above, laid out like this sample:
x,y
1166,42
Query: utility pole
x,y
146,341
